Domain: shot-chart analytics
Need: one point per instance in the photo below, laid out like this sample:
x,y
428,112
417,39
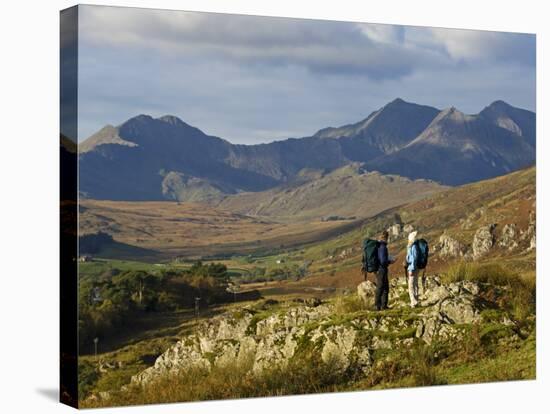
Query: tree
x,y
217,270
137,283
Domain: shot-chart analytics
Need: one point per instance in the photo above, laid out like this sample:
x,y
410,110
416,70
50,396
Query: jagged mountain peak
x,y
172,120
397,102
384,131
500,104
142,118
455,148
106,135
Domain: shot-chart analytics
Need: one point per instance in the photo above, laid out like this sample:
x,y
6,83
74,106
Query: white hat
x,y
412,236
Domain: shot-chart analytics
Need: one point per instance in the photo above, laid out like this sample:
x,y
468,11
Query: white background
x,y
29,148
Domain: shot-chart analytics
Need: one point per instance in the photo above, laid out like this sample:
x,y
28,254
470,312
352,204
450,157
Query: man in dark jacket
x,y
382,282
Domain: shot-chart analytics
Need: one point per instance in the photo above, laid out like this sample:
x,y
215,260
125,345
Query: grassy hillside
x,y
349,191
500,346
472,335
457,212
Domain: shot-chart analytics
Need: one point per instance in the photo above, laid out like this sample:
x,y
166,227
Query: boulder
x,y
466,224
435,295
338,346
449,247
532,243
530,233
312,302
460,310
484,240
366,291
394,232
508,237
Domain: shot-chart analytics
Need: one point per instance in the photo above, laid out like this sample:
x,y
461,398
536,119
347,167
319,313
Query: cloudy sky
x,y
257,79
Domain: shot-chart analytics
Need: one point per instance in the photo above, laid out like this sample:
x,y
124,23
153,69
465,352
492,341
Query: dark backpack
x,y
423,251
370,256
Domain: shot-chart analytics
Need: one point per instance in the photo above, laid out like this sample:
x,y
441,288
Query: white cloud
x,y
383,33
255,79
477,45
320,46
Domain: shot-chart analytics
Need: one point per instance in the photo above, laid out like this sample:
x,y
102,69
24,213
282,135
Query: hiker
x,y
382,282
412,268
376,260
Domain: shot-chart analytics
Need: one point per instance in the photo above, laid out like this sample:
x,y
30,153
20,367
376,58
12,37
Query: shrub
x,y
422,360
345,304
414,366
299,376
521,297
87,377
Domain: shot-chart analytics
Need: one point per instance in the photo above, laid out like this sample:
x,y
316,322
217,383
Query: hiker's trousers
x,y
382,288
413,287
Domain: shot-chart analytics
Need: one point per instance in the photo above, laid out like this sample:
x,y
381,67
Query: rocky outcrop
x,y
449,247
398,231
508,237
344,254
394,232
484,240
529,234
271,335
532,242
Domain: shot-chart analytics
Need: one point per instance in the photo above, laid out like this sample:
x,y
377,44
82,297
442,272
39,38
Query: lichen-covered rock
x,y
530,233
366,291
532,243
449,247
508,237
312,302
460,310
435,295
394,232
276,349
184,355
484,240
259,340
339,341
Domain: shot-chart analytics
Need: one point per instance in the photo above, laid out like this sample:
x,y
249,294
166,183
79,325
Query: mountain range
x,y
148,158
316,195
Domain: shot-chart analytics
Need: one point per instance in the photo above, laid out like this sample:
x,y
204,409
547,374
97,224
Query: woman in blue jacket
x,y
412,270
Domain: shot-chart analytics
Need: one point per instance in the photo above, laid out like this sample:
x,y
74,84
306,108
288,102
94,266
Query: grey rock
x,y
346,345
312,302
460,310
394,232
435,295
508,237
532,243
366,291
484,240
449,247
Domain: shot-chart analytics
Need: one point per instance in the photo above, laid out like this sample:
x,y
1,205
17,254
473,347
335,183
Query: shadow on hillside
x,y
122,251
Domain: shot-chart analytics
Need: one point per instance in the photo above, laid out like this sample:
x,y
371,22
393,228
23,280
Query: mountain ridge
x,y
130,161
457,148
